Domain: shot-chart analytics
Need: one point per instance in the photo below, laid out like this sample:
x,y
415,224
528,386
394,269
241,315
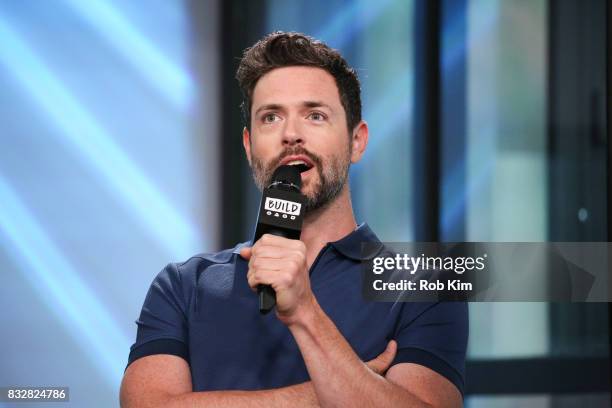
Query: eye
x,y
270,118
317,116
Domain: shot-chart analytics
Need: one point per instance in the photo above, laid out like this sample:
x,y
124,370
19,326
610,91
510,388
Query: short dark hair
x,y
285,49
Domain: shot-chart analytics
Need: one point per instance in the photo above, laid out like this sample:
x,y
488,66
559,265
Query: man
x,y
201,340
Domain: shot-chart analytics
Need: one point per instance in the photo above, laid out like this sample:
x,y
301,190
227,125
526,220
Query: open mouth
x,y
302,161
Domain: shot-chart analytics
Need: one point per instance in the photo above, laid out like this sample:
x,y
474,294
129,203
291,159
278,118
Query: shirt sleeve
x,y
435,335
162,325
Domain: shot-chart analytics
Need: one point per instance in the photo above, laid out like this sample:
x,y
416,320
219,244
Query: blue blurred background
x,y
121,134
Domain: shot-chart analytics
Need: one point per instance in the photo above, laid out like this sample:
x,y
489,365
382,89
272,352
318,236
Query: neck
x,y
328,224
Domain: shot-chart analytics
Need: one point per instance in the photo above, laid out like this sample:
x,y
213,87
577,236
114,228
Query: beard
x,y
332,176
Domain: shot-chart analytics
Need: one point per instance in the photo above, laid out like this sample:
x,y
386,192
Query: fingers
x,y
389,353
271,246
281,242
246,252
381,363
276,279
280,263
273,264
267,251
264,251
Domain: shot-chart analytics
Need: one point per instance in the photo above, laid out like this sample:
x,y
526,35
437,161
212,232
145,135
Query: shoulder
x,y
184,275
206,259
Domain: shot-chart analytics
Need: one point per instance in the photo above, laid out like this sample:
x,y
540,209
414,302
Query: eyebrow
x,y
269,106
307,104
316,104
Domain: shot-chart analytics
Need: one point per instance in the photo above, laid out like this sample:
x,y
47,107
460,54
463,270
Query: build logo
x,y
282,208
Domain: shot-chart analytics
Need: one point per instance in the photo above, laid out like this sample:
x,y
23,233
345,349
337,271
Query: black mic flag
x,y
281,213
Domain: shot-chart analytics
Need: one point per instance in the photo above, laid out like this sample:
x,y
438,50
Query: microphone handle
x,y
267,296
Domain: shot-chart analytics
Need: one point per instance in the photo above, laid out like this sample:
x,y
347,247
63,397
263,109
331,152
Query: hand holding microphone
x,y
281,213
280,263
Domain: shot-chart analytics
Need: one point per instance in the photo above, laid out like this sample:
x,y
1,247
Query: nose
x,y
291,133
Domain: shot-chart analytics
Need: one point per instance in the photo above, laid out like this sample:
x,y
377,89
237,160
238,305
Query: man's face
x,y
296,116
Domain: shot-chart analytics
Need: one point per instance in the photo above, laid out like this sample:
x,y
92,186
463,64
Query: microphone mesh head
x,y
288,175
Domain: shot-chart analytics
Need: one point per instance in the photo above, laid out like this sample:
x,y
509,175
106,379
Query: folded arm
x,y
340,378
164,380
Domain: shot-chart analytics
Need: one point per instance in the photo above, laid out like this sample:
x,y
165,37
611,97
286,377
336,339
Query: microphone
x,y
281,213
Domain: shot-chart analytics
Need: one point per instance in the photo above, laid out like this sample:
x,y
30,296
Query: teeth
x,y
294,162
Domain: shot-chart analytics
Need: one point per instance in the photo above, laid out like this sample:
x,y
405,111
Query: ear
x,y
246,143
359,141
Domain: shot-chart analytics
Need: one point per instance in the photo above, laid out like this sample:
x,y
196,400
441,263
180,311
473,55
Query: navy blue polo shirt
x,y
204,311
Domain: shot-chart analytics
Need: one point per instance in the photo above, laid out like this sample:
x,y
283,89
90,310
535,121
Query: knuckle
x,y
259,245
292,266
287,279
300,246
259,264
299,256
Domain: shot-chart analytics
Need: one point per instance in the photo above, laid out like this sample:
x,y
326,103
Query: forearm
x,y
338,375
300,395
